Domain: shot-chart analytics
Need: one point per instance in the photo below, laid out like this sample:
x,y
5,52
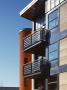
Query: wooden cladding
x,y
63,47
63,81
63,17
63,51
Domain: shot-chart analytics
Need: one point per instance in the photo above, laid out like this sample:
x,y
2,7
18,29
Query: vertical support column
x,y
22,56
32,79
46,84
33,55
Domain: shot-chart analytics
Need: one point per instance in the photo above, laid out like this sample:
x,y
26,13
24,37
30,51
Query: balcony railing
x,y
37,38
36,68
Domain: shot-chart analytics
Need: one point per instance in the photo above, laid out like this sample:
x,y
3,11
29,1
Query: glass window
x,y
53,23
56,2
54,63
53,47
54,30
48,5
61,1
37,25
53,19
40,22
53,51
52,4
53,15
53,55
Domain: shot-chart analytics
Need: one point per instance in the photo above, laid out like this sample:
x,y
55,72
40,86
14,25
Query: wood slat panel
x,y
63,78
63,17
63,87
63,81
63,51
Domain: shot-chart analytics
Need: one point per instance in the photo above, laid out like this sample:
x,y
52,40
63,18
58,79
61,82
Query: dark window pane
x,y
54,63
53,55
53,23
53,15
53,47
54,29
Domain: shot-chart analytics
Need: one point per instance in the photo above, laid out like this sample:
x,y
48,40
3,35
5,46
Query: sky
x,y
10,24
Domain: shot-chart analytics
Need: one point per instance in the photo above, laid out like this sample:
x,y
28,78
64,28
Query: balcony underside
x,y
33,75
39,68
37,41
33,10
36,48
38,75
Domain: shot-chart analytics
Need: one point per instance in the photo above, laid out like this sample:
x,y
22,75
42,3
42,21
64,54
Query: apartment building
x,y
43,49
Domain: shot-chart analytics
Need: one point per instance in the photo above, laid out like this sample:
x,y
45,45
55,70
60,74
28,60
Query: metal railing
x,y
34,67
35,37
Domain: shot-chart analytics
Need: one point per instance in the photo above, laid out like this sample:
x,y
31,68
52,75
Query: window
x,y
53,51
53,15
50,4
53,54
57,2
40,22
61,1
53,23
53,47
53,19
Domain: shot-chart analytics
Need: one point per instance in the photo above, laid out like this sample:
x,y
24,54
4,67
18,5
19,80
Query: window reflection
x,y
61,1
53,55
53,19
57,2
53,23
40,22
53,47
53,15
50,4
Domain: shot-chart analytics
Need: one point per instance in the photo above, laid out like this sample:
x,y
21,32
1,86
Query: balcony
x,y
33,10
40,68
35,43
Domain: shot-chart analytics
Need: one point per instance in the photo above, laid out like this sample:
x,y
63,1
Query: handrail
x,y
36,66
37,30
35,61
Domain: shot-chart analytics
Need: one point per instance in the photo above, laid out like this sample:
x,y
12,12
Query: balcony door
x,y
40,21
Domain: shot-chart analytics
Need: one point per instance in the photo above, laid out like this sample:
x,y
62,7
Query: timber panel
x,y
63,51
63,81
63,17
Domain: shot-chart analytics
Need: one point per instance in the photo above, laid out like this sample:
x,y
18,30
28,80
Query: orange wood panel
x,y
22,56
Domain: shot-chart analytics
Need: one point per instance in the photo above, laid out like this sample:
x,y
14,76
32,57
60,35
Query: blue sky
x,y
10,24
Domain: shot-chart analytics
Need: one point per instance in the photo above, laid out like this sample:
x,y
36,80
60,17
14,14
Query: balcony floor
x,y
36,48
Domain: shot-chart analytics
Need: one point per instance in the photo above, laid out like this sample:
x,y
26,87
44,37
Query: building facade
x,y
43,49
